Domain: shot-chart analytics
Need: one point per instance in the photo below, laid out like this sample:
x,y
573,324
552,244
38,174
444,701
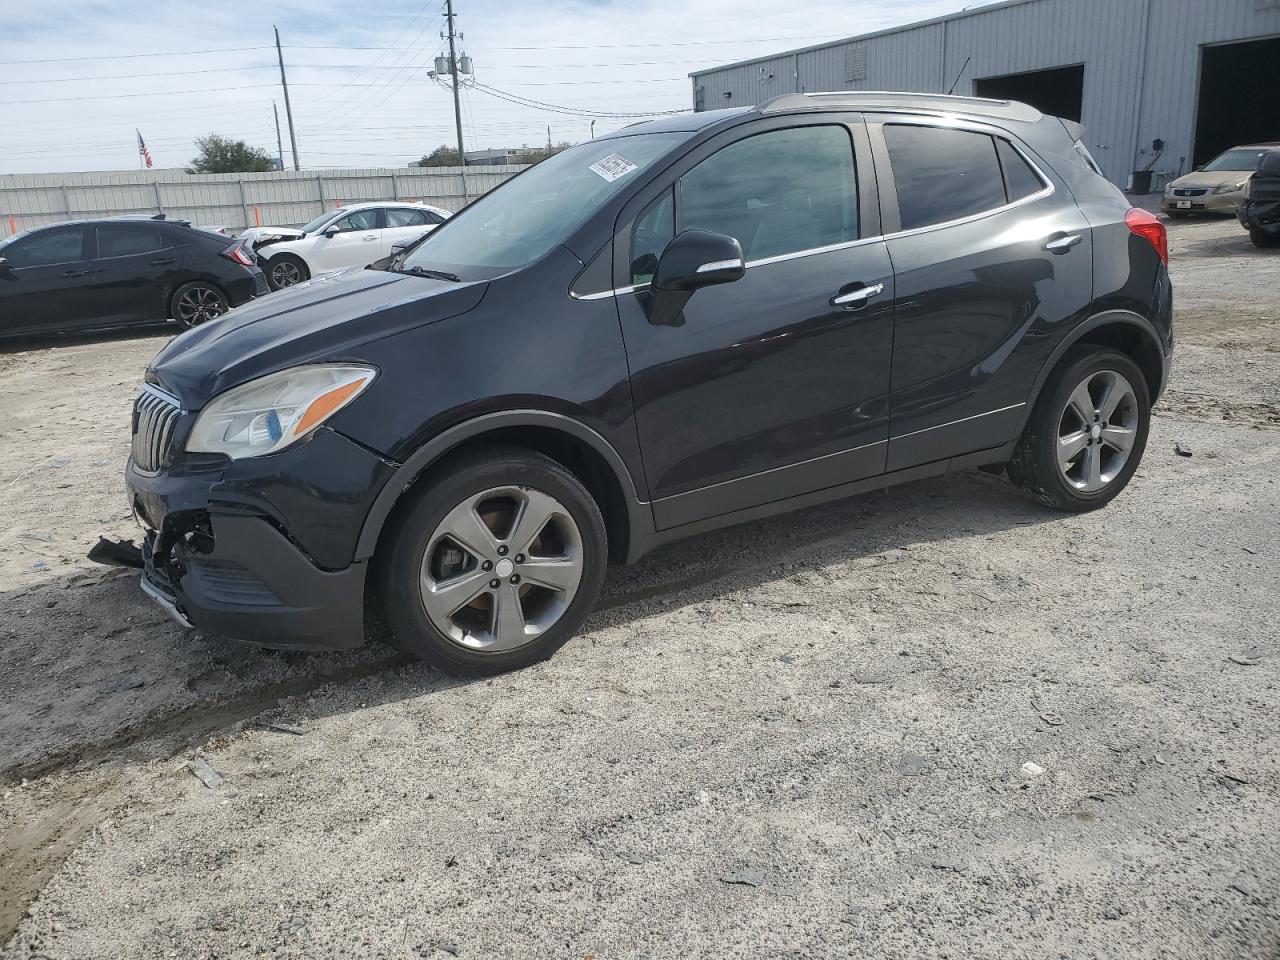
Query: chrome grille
x,y
1190,191
155,417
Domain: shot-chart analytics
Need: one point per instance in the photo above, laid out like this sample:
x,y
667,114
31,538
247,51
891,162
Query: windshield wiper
x,y
433,274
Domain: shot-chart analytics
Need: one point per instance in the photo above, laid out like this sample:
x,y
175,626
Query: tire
x,y
197,302
285,270
1262,240
1073,483
442,556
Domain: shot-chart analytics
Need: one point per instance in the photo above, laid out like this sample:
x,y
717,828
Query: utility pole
x,y
288,109
457,102
279,142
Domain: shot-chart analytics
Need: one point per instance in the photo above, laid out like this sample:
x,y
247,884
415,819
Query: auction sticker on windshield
x,y
612,167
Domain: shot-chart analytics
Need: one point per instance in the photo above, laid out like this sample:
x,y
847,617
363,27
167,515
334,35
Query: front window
x,y
524,218
45,248
1245,161
360,220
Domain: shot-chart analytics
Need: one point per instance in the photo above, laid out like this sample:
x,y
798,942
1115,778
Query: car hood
x,y
327,318
1202,178
256,236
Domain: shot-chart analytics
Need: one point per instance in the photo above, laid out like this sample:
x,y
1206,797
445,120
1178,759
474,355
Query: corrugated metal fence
x,y
233,200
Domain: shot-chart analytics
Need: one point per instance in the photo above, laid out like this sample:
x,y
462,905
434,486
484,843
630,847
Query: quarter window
x,y
652,232
776,193
125,241
943,174
55,246
1020,180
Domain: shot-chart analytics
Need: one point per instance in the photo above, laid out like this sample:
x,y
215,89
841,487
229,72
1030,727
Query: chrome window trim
x,y
952,423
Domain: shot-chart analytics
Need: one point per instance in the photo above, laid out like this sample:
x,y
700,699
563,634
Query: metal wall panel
x,y
236,201
1141,60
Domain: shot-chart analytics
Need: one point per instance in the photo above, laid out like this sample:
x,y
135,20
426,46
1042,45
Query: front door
x,y
776,384
44,283
992,260
356,242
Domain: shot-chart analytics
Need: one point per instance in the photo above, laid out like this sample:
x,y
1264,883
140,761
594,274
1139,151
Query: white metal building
x,y
1198,75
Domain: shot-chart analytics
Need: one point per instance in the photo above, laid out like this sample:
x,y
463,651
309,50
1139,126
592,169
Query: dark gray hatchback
x,y
686,324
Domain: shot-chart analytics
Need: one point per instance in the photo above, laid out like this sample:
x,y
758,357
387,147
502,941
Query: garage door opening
x,y
1058,92
1238,98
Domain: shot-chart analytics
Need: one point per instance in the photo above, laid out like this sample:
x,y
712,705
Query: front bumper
x,y
261,550
1262,216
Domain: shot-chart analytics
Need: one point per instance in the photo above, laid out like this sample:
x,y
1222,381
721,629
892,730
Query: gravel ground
x,y
806,737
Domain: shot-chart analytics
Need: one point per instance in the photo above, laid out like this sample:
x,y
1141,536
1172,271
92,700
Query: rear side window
x,y
404,217
126,241
776,193
943,174
1020,180
53,246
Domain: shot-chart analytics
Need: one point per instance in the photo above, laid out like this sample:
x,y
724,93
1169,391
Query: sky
x,y
78,76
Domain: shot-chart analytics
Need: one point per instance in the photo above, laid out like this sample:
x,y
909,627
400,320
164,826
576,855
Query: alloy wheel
x,y
1097,430
501,569
198,304
285,274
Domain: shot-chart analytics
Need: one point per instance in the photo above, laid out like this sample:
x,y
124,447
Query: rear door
x,y
991,259
357,242
44,285
135,268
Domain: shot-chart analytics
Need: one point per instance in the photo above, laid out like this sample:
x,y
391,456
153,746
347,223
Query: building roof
x,y
969,12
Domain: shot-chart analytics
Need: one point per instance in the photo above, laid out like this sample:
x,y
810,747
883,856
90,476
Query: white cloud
x,y
370,107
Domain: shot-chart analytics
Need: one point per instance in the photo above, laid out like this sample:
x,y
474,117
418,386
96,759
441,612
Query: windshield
x,y
1247,160
529,214
321,220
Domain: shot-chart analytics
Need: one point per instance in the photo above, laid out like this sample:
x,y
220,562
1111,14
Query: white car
x,y
350,236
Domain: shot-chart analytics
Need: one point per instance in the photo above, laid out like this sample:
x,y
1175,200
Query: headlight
x,y
1228,188
270,413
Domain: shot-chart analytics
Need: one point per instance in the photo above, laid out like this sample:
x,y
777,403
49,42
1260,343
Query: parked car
x,y
690,323
1218,186
1260,212
120,272
350,236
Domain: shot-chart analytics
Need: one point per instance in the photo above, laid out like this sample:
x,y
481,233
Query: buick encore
x,y
689,323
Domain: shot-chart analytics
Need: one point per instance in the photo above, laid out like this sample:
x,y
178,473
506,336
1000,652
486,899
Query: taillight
x,y
238,254
1148,226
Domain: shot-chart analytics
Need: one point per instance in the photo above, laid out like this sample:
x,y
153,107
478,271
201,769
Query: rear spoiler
x,y
1074,130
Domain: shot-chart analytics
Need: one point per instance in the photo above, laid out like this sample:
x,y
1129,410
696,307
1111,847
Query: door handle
x,y
1063,243
367,239
72,274
861,295
161,261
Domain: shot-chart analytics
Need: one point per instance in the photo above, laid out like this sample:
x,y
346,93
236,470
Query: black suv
x,y
686,324
120,272
1260,212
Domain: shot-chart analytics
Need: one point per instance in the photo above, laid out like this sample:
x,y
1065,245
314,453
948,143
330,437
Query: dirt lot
x,y
799,739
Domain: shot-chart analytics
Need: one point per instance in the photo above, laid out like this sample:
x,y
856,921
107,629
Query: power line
x,y
139,76
126,96
134,56
597,46
560,108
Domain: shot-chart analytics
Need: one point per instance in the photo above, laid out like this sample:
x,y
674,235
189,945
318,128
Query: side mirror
x,y
692,260
401,247
4,265
330,233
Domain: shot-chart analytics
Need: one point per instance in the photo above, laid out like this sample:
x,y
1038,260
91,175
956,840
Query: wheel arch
x,y
1130,333
573,444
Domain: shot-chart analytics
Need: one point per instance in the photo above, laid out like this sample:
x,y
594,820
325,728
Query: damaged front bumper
x,y
1260,216
219,553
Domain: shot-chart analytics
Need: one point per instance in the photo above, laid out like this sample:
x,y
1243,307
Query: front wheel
x,y
285,270
1087,432
495,563
1263,240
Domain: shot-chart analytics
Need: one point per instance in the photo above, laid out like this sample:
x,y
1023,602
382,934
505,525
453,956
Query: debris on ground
x,y
116,553
747,877
1181,451
283,728
1244,661
206,774
1031,770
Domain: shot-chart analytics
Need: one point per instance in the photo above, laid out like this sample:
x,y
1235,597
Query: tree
x,y
224,155
441,157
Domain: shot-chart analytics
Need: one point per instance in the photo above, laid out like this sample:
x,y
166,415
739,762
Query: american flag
x,y
142,149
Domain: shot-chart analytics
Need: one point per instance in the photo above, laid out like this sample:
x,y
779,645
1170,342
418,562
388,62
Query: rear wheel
x,y
197,302
1263,240
495,563
1087,432
285,270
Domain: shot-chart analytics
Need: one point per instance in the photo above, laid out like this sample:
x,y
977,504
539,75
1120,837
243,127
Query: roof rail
x,y
866,99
